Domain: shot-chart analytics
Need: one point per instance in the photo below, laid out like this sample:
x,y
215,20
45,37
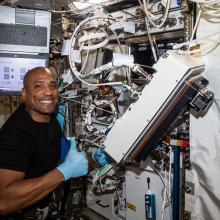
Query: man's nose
x,y
47,90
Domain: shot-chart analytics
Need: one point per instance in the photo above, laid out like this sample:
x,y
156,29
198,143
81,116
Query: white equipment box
x,y
146,121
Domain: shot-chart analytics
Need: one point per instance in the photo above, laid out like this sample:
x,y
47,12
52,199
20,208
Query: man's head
x,y
40,93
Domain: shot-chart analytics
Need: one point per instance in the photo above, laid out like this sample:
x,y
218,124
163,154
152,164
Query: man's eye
x,y
37,86
54,86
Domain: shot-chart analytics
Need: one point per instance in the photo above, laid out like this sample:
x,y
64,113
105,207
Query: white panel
x,y
170,71
136,188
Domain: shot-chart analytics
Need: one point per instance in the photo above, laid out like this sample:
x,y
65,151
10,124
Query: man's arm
x,y
17,193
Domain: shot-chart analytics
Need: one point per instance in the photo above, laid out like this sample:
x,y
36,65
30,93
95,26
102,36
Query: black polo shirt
x,y
29,146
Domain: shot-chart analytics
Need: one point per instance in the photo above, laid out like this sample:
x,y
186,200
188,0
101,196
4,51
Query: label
x,y
131,206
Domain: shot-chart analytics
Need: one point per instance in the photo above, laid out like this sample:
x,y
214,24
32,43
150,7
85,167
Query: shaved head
x,y
31,72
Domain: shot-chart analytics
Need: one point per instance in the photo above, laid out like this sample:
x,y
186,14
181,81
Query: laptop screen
x,y
13,68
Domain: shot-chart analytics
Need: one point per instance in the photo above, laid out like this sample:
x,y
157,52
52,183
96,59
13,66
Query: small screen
x,y
13,69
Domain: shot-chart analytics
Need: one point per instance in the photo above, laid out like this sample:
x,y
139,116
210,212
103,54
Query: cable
x,y
70,99
150,40
65,11
149,15
196,25
148,29
86,58
92,142
120,48
209,7
72,63
154,170
150,67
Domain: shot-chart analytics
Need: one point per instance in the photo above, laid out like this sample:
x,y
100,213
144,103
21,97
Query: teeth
x,y
46,101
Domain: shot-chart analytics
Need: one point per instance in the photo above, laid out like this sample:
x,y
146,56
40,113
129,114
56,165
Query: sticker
x,y
131,206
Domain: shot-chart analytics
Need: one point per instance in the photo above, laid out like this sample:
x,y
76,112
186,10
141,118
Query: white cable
x,y
150,40
209,7
66,11
149,15
86,60
192,35
209,36
158,26
203,50
156,171
72,63
148,31
211,46
88,118
211,11
106,67
196,25
92,36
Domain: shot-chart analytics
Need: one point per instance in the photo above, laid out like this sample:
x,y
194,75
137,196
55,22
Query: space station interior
x,y
138,79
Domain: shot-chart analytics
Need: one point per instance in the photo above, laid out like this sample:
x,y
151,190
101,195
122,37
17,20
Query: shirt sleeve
x,y
15,150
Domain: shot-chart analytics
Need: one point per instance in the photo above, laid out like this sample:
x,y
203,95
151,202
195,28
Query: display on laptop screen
x,y
13,68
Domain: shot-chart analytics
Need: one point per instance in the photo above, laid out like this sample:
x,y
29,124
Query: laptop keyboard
x,y
28,35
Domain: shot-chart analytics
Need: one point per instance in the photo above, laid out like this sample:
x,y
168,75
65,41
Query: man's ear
x,y
23,94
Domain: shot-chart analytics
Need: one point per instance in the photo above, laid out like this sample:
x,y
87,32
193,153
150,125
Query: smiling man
x,y
40,94
30,151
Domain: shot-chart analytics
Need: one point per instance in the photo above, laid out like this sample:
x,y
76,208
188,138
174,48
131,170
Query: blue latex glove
x,y
75,163
101,157
60,115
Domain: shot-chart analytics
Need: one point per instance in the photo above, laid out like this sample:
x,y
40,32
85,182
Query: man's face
x,y
40,95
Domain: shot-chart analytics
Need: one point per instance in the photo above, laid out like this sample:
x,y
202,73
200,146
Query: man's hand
x,y
101,157
75,163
